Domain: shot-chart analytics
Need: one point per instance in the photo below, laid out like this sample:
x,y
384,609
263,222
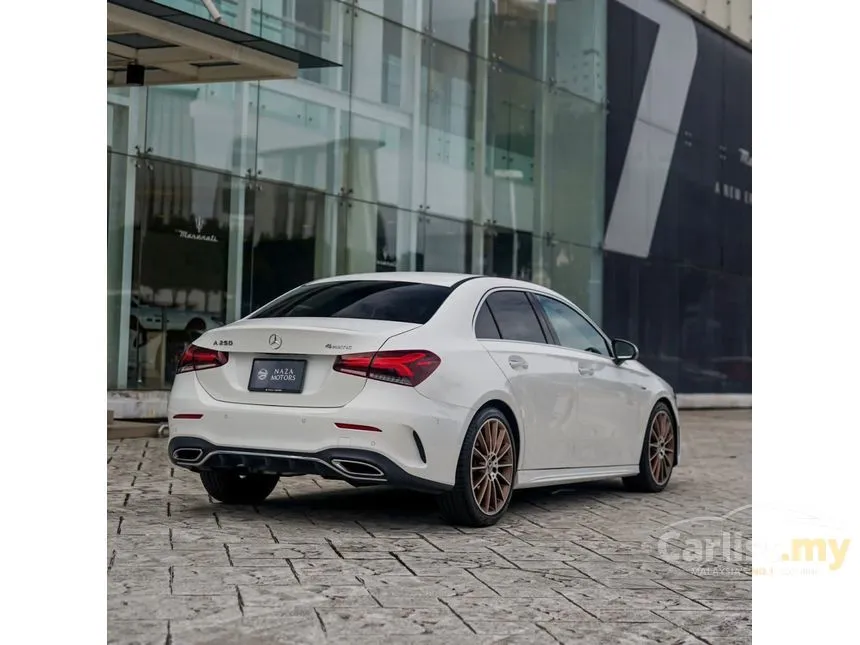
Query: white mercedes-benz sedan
x,y
465,386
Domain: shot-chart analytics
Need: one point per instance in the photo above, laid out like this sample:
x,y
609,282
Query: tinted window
x,y
572,329
485,326
368,300
515,317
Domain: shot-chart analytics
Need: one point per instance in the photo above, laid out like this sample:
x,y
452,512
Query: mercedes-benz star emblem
x,y
274,341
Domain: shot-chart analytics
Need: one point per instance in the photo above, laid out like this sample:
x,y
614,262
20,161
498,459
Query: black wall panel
x,y
688,303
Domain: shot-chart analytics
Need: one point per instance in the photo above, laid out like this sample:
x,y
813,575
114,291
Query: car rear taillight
x,y
199,358
403,367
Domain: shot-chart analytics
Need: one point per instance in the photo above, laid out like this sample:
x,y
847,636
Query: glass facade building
x,y
598,147
456,135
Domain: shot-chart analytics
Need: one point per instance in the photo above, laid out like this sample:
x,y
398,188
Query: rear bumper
x,y
353,465
418,440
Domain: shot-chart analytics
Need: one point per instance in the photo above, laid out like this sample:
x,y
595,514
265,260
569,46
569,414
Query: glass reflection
x,y
507,252
120,170
297,139
576,47
311,26
444,245
180,265
574,271
516,34
206,125
386,239
450,153
283,236
385,147
573,173
454,22
512,144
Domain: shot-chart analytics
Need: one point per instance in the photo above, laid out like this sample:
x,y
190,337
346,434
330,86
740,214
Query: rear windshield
x,y
407,302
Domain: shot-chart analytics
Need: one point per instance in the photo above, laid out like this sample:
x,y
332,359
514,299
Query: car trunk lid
x,y
300,352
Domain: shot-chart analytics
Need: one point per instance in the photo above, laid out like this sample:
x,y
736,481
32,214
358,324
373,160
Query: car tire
x,y
659,448
232,488
483,504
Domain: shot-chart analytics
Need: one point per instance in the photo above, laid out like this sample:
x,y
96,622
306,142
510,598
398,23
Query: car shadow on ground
x,y
384,504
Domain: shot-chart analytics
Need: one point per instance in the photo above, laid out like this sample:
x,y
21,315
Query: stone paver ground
x,y
322,562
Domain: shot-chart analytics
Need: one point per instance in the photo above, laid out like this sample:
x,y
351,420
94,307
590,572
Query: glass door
x,y
179,282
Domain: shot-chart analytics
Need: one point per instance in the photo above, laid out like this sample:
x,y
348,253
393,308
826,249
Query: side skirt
x,y
554,476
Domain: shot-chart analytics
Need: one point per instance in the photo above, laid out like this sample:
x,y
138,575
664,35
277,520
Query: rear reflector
x,y
356,426
403,367
197,358
188,415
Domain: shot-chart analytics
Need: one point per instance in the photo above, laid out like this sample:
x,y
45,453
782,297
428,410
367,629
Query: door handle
x,y
518,362
586,370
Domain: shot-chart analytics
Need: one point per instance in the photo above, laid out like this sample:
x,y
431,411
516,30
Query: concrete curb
x,y
132,430
137,404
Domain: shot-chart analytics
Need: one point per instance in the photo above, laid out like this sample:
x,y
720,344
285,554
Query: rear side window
x,y
407,302
485,326
515,316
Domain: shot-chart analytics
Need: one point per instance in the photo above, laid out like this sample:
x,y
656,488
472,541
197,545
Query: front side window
x,y
363,299
572,329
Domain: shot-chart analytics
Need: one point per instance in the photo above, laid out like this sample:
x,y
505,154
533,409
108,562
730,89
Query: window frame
x,y
607,341
544,328
549,333
484,303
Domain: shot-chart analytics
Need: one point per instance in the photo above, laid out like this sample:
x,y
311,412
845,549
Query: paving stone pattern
x,y
322,562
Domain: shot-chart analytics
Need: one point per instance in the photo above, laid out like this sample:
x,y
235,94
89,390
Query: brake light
x,y
403,367
197,358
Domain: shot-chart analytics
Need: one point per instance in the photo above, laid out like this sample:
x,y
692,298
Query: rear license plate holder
x,y
277,375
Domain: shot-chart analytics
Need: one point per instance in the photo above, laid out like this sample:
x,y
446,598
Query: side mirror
x,y
624,350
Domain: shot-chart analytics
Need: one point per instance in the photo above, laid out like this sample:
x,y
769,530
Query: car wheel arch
x,y
673,412
506,408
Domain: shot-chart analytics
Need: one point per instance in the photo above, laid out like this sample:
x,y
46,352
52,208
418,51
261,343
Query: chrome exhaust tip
x,y
188,455
358,468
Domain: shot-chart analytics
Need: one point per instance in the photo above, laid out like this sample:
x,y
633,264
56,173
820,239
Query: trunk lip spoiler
x,y
466,279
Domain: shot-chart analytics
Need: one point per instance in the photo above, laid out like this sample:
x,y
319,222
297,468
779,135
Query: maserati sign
x,y
198,233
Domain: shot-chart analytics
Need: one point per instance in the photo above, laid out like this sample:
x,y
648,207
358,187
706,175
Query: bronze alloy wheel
x,y
492,471
486,471
661,447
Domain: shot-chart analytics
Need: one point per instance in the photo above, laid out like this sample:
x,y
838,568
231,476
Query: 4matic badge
x,y
343,347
